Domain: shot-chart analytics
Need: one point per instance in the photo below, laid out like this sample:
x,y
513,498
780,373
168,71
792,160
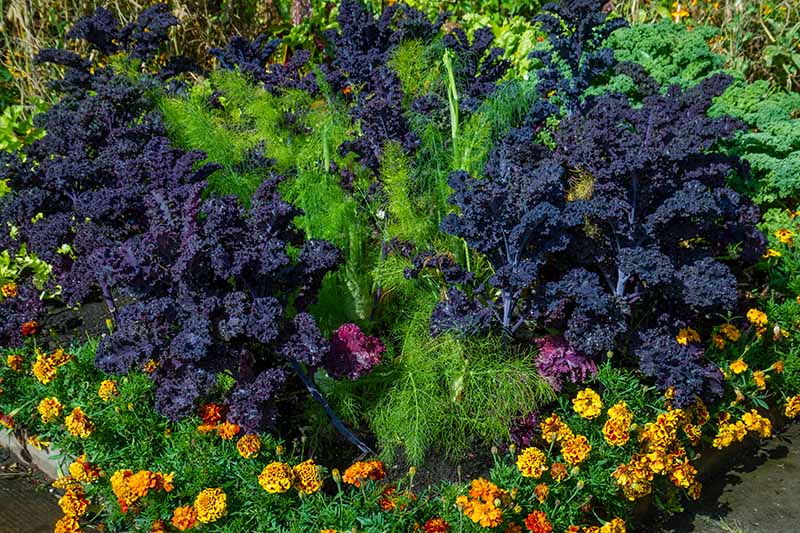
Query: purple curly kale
x,y
478,67
352,353
215,289
577,57
524,430
558,363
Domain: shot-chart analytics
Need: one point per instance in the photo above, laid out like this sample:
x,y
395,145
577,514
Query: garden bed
x,y
405,278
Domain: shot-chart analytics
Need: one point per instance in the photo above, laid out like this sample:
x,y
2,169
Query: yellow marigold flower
x,y
150,366
108,389
83,471
276,478
59,358
68,524
531,462
792,409
184,517
687,335
9,290
78,424
617,525
211,505
554,429
730,331
693,433
227,430
50,409
327,531
757,423
306,477
759,318
771,252
694,490
361,471
541,491
738,366
587,404
760,379
74,501
615,431
576,449
37,443
620,411
249,446
43,369
683,475
14,362
785,236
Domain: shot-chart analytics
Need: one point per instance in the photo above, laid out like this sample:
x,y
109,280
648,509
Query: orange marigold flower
x,y
74,501
436,525
159,526
68,524
759,318
9,290
50,409
228,430
513,528
391,498
361,471
558,471
537,522
778,367
78,424
212,413
738,366
108,389
683,475
14,362
718,341
276,478
792,409
306,477
541,491
184,517
249,446
576,449
531,462
587,404
29,328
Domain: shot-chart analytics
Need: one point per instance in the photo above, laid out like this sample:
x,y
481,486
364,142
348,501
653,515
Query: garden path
x,y
26,503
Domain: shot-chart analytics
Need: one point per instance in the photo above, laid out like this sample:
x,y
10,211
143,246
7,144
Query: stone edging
x,y
44,460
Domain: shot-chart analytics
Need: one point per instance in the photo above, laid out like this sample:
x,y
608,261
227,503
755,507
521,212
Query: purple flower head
x,y
352,353
558,362
523,430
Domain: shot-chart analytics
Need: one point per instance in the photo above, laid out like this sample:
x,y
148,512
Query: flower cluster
x,y
730,431
214,417
362,471
661,452
45,367
485,502
129,488
277,477
78,424
74,504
